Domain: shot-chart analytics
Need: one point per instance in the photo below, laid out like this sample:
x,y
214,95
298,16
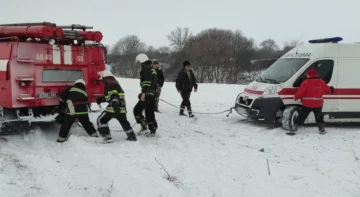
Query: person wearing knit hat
x,y
185,83
186,63
311,93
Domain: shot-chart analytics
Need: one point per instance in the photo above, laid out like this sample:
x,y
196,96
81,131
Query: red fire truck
x,y
38,61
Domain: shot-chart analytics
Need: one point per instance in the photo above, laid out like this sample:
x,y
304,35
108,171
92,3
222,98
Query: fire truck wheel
x,y
288,118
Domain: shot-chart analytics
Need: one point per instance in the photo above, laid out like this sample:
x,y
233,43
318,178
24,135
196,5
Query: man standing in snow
x,y
185,82
73,102
160,78
311,94
116,108
148,83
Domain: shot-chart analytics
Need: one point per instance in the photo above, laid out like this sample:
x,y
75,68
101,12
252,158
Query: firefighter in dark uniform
x,y
73,101
311,93
185,83
116,108
160,78
148,83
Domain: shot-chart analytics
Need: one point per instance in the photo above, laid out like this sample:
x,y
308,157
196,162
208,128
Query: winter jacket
x,y
148,80
183,82
311,92
114,95
160,77
78,95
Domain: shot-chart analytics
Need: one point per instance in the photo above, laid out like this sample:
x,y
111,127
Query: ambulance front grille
x,y
246,102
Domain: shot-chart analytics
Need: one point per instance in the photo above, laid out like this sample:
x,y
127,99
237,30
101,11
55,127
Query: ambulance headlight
x,y
272,90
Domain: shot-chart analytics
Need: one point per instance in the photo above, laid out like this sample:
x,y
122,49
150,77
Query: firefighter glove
x,y
158,90
115,104
99,100
123,102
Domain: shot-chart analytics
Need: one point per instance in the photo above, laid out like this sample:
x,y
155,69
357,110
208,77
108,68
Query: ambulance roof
x,y
327,49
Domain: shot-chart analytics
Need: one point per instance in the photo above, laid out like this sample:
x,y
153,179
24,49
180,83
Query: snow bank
x,y
214,155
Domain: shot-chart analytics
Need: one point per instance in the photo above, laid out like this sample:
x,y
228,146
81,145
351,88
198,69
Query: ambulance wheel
x,y
289,115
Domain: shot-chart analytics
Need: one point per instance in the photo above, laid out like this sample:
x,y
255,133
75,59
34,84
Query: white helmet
x,y
141,58
80,81
105,73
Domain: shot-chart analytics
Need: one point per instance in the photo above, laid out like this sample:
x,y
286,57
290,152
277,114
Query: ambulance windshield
x,y
281,70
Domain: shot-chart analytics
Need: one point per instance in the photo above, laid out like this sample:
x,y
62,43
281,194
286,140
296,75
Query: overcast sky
x,y
151,20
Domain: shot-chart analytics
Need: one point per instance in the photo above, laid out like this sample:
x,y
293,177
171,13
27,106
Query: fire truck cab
x,y
38,61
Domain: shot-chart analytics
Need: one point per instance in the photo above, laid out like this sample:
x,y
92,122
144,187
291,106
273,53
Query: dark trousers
x,y
185,95
149,106
304,113
157,97
69,120
105,117
186,98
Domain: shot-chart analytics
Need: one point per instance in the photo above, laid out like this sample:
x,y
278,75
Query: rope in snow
x,y
79,124
228,110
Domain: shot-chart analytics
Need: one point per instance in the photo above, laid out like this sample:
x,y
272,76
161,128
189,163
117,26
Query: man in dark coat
x,y
185,83
73,101
160,78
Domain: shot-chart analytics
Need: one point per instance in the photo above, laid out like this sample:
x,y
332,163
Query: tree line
x,y
216,55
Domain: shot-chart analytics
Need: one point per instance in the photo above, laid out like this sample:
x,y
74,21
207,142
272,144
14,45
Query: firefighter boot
x,y
182,108
105,134
190,112
131,135
321,127
107,139
143,126
152,127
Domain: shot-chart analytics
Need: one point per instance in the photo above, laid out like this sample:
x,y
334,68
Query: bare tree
x,y
123,56
290,45
164,49
217,55
179,37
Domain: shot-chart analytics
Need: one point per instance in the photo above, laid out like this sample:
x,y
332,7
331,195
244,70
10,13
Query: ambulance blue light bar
x,y
326,40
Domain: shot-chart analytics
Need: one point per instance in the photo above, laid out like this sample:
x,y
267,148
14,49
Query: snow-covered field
x,y
213,156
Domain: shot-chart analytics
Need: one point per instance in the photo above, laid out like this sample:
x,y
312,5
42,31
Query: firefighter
x,y
116,108
185,82
311,93
160,78
148,83
73,101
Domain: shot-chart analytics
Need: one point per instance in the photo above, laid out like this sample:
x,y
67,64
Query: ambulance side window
x,y
324,69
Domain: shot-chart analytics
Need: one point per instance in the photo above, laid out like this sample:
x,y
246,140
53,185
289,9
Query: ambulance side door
x,y
327,70
348,90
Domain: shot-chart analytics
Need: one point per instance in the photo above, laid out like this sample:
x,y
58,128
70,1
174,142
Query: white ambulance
x,y
270,98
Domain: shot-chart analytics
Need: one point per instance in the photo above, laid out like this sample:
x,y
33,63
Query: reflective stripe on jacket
x,y
311,92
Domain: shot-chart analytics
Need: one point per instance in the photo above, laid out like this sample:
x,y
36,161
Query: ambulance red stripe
x,y
344,93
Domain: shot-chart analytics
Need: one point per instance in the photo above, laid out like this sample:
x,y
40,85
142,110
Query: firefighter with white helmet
x,y
148,83
116,108
73,101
